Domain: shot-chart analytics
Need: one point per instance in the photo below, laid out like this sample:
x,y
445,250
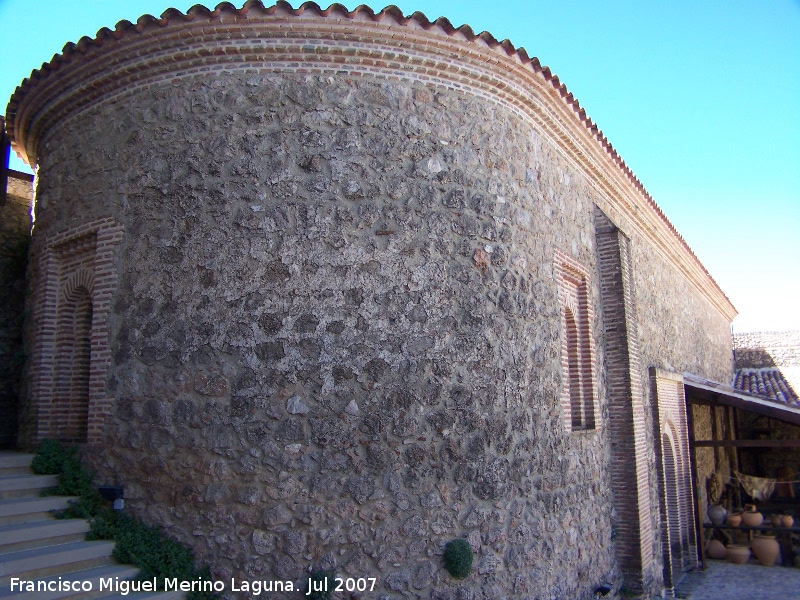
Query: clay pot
x,y
776,520
734,519
716,549
787,521
766,549
738,554
717,514
752,519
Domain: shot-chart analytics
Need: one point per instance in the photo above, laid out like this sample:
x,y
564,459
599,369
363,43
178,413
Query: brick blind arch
x,y
70,410
676,496
577,346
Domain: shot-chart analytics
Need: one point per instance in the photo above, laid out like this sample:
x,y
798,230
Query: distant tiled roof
x,y
769,383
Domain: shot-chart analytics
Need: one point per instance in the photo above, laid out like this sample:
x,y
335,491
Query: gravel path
x,y
725,581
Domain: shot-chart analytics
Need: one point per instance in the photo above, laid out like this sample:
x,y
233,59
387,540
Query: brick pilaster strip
x,y
627,428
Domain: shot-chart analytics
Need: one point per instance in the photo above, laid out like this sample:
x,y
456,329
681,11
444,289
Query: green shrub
x,y
104,525
458,558
49,457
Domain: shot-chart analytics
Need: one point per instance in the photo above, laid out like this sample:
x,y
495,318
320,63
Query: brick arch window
x,y
577,346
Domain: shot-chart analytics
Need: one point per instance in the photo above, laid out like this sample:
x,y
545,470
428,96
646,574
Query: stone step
x,y
15,463
23,510
20,486
48,532
54,560
90,576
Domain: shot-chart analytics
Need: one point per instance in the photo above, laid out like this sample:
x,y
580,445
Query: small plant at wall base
x,y
458,558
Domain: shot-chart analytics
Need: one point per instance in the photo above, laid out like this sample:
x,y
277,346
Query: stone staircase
x,y
36,547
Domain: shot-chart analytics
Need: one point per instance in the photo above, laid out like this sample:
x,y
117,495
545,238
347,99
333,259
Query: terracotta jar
x,y
787,521
776,520
735,519
752,519
716,549
738,554
766,549
717,514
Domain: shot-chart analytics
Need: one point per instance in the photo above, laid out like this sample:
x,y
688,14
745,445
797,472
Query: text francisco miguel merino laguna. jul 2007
x,y
125,586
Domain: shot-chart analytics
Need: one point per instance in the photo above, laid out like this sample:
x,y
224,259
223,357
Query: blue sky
x,y
699,98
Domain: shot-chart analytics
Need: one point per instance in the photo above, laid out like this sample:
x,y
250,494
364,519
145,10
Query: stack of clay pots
x,y
765,547
751,518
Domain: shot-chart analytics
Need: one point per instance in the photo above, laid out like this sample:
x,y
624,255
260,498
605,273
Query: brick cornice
x,y
358,43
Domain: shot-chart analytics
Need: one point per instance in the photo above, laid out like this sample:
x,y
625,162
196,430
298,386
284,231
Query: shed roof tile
x,y
768,382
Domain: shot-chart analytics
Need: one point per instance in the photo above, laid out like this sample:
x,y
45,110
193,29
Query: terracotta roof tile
x,y
768,383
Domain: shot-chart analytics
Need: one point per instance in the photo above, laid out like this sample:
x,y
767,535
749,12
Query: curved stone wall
x,y
335,338
323,252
